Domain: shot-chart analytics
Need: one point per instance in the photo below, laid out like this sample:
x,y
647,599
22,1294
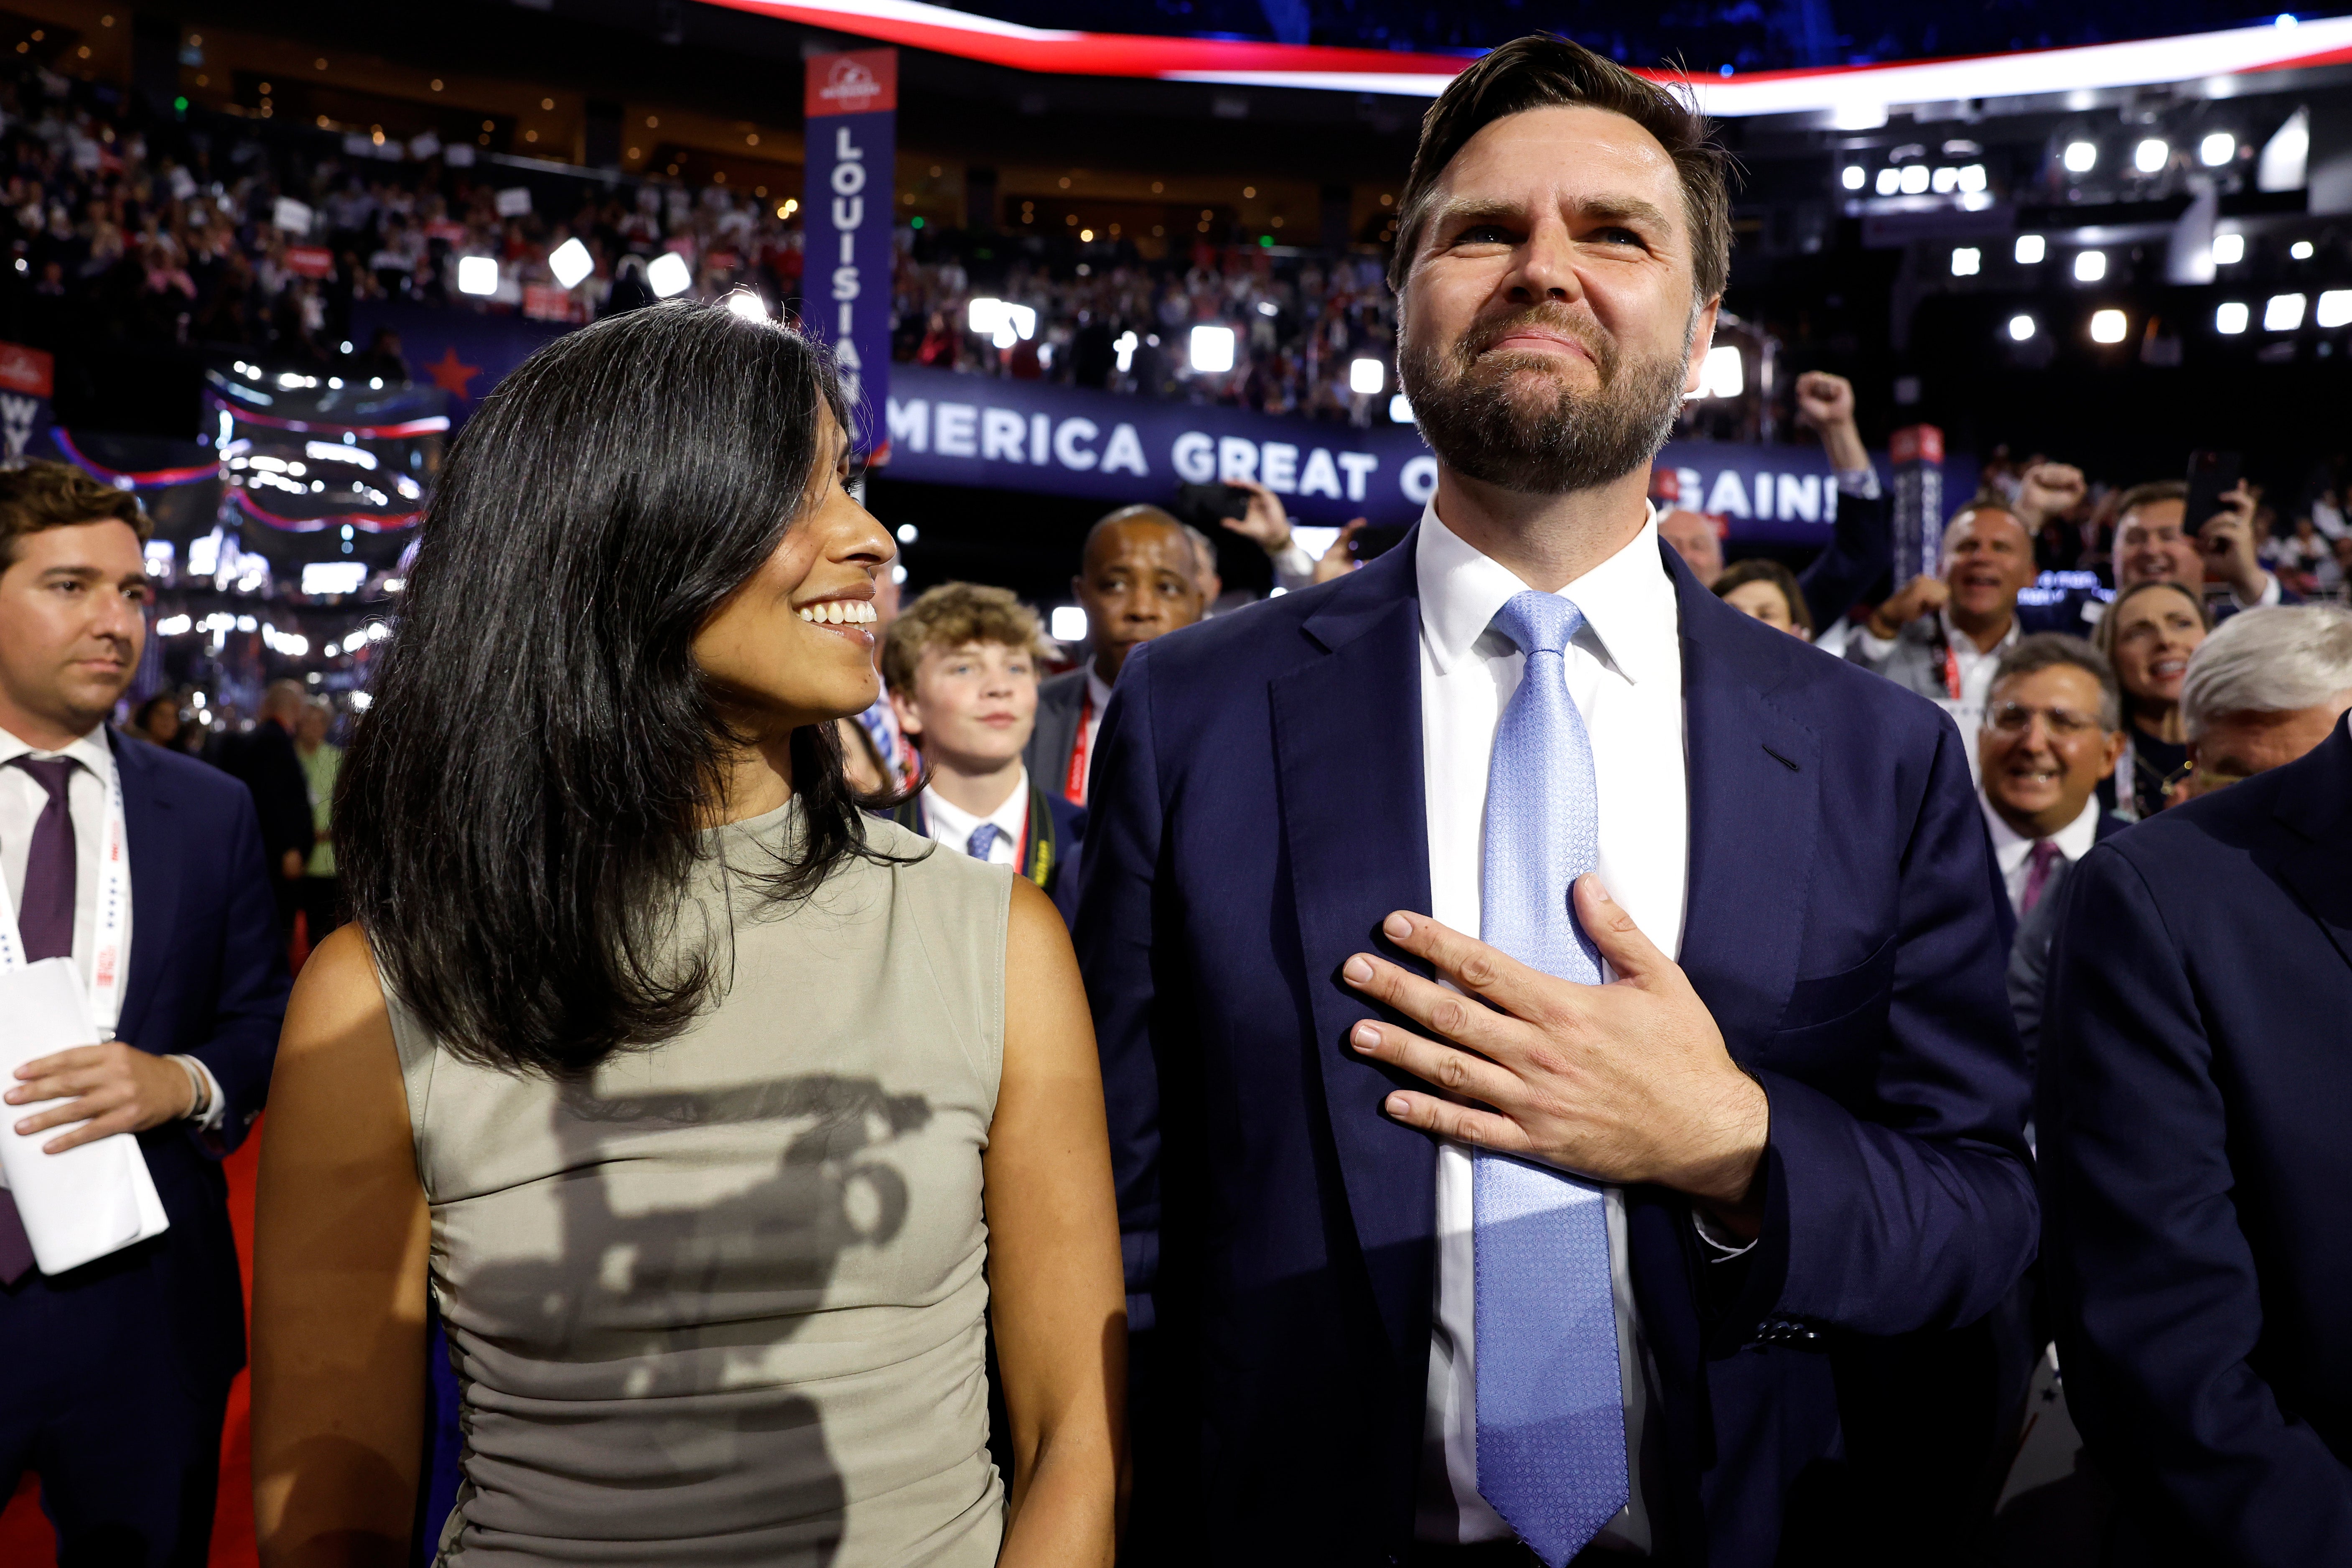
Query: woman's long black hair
x,y
521,806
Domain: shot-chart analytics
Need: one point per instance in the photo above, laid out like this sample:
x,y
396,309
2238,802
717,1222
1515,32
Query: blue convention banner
x,y
946,428
853,124
463,352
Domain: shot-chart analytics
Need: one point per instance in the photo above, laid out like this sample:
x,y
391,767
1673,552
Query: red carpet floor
x,y
26,1539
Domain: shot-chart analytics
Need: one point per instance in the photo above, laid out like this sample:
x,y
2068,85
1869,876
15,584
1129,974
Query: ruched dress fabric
x,y
722,1301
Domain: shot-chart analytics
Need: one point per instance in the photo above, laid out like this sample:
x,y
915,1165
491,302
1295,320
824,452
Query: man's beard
x,y
1548,440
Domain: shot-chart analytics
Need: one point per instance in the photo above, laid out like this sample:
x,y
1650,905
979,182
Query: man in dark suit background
x,y
265,760
114,1376
1670,1265
2194,1093
1138,578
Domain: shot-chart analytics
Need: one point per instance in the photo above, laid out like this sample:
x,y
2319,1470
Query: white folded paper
x,y
94,1198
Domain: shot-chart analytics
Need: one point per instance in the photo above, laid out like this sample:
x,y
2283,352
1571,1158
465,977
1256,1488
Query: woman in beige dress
x,y
721,1121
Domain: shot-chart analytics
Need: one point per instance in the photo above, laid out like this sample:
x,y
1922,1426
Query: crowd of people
x,y
246,235
1512,1050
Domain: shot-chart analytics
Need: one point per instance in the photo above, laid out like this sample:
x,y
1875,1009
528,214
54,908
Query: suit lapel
x,y
154,879
1754,812
2315,803
1348,744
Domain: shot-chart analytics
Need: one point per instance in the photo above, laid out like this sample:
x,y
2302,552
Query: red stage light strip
x,y
121,478
1837,90
365,521
427,427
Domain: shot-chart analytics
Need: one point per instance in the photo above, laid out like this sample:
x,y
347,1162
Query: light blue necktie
x,y
983,839
1551,1418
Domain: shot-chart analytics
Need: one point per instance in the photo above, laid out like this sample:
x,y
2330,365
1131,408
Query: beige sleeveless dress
x,y
723,1301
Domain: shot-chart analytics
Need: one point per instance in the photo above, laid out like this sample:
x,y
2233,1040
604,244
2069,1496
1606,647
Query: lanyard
x,y
1951,671
113,913
1074,788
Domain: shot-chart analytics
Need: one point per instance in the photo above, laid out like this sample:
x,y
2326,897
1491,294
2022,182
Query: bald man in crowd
x,y
1696,540
1141,577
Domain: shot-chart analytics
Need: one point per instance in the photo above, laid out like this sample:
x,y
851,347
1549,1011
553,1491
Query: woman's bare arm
x,y
1060,1308
338,1282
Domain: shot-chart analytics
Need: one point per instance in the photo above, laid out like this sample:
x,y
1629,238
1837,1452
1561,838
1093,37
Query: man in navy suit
x,y
114,1376
2194,1094
1670,1266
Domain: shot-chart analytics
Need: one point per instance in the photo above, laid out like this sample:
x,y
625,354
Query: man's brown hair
x,y
950,616
1542,71
2155,490
38,494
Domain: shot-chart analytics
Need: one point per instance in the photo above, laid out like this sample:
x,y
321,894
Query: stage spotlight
x,y
1400,406
1915,180
2151,155
2107,326
2228,249
2283,313
1069,624
2081,157
2334,308
1366,376
2030,248
2217,148
1967,261
1946,180
984,315
2301,251
570,262
743,302
1853,177
2230,317
1722,374
1972,178
1889,182
667,274
478,275
2090,266
1212,349
2021,329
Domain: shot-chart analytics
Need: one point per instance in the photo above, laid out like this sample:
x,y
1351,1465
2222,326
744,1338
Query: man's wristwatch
x,y
199,1094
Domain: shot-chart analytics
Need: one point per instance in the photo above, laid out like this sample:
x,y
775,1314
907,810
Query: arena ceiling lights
x,y
1855,97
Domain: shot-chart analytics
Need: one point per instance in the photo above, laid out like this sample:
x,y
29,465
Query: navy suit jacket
x,y
1257,809
2195,1109
207,979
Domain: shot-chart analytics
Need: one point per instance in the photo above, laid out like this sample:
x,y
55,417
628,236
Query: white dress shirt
x,y
2013,852
22,801
1624,674
1098,703
1972,665
952,824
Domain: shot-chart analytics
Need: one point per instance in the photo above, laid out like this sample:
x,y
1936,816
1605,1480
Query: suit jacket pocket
x,y
1830,998
1832,1027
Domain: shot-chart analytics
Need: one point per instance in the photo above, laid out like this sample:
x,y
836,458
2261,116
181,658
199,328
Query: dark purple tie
x,y
45,923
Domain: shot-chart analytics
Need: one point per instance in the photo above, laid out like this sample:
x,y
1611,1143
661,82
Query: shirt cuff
x,y
1874,647
1293,568
2267,597
1861,483
1718,1240
215,1103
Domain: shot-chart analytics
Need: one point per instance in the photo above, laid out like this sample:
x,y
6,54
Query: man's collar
x,y
1009,816
2009,846
1953,635
1628,601
90,751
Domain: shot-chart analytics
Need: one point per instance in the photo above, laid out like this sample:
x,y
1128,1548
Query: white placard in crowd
x,y
291,215
514,201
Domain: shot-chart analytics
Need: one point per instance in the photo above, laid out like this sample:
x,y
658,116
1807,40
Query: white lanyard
x,y
113,912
